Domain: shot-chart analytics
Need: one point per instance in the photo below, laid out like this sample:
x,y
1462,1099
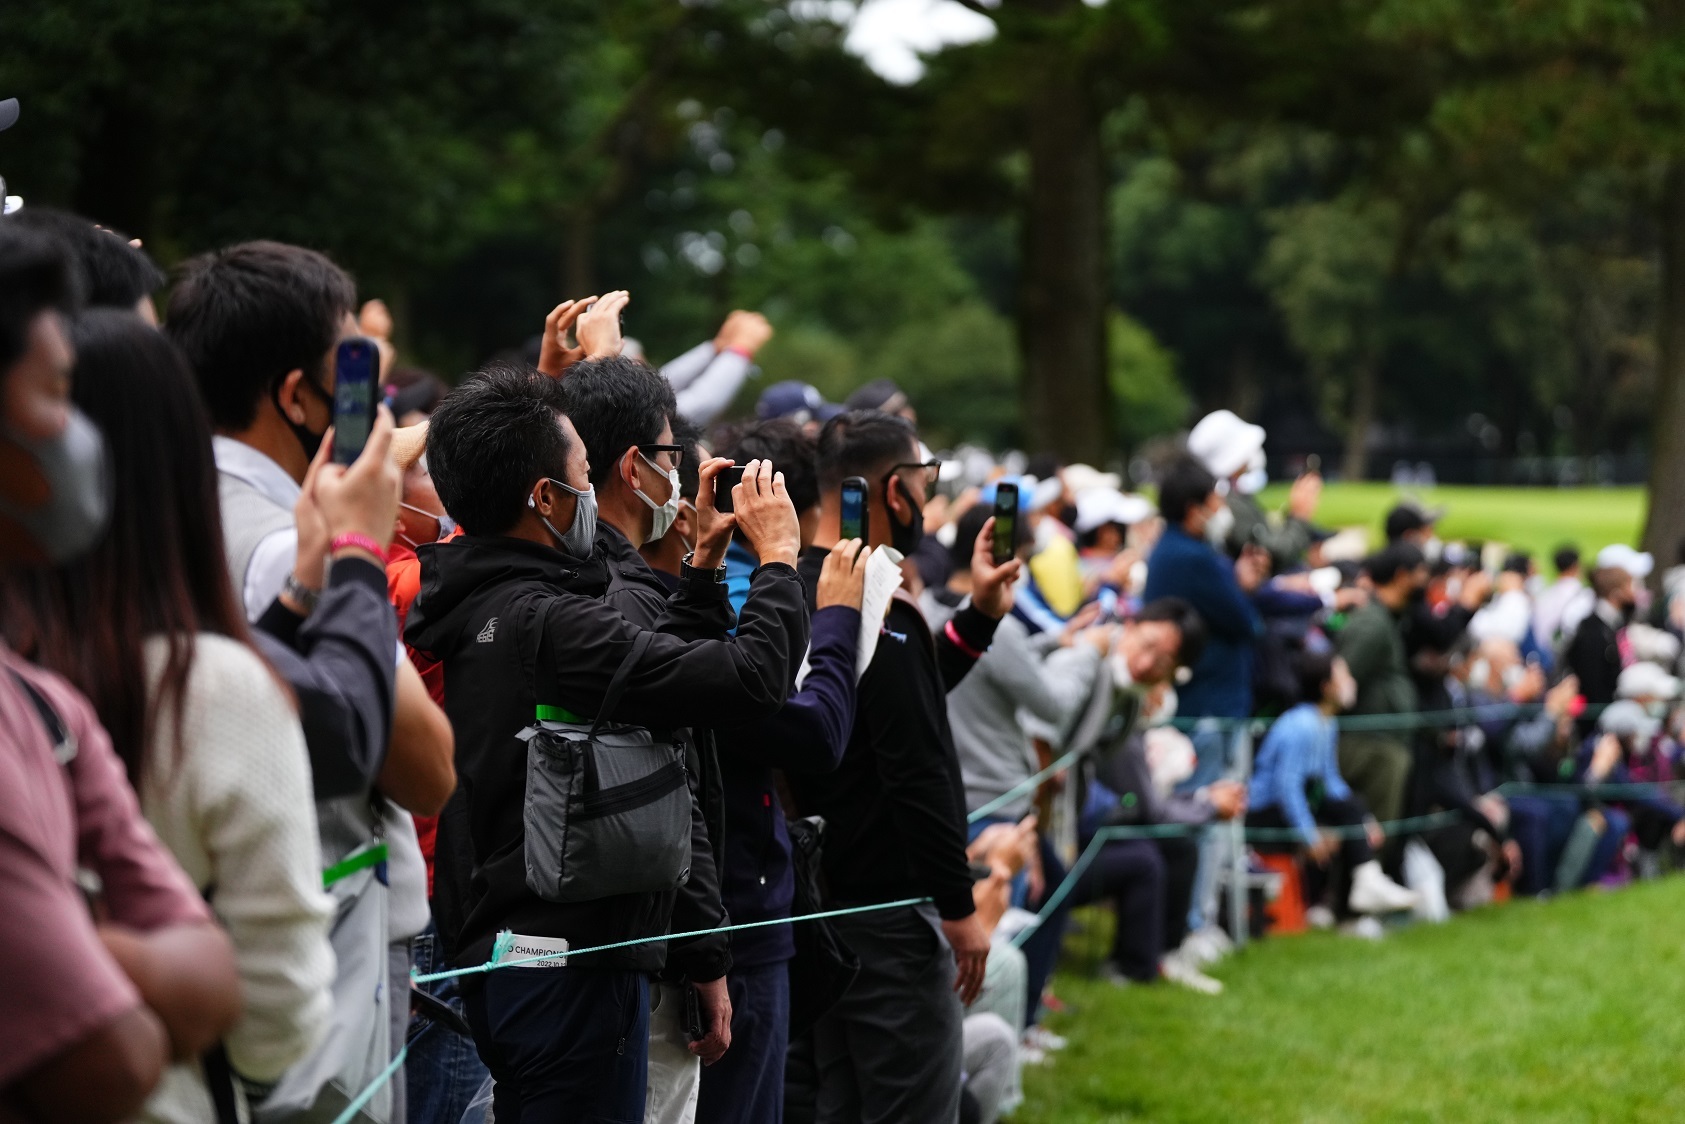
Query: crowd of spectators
x,y
565,675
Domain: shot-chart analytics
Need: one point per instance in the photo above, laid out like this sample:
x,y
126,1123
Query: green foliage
x,y
1149,399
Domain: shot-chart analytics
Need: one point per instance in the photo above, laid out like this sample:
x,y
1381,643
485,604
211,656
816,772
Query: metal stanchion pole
x,y
1238,866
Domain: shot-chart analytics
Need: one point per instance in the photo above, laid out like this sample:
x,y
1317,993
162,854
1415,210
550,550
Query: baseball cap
x,y
1225,444
1619,556
798,401
1646,680
1100,506
1409,515
1627,719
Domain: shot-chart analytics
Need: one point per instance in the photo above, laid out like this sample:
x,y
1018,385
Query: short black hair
x,y
247,315
1186,618
35,275
791,451
615,403
969,525
1568,557
1407,517
1183,487
113,273
862,443
689,434
1519,563
489,442
1314,670
1384,566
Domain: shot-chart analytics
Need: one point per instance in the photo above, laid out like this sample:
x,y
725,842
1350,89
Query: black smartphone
x,y
356,393
854,517
727,479
692,1019
1006,522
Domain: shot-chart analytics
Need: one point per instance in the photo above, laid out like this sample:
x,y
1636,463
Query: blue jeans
x,y
746,1086
443,1070
563,1043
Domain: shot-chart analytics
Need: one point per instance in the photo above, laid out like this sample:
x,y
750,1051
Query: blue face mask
x,y
581,537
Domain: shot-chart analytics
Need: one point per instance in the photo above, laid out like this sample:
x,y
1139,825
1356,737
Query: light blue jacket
x,y
1300,747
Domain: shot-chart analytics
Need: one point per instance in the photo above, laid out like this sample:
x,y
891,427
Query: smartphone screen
x,y
854,508
356,392
727,479
1006,522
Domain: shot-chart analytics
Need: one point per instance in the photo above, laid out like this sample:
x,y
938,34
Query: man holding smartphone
x,y
895,808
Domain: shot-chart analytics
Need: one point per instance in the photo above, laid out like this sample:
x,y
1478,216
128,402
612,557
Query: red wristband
x,y
743,351
360,542
953,635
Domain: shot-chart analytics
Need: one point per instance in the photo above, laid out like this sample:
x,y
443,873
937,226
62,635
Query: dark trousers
x,y
1354,848
1150,882
443,1070
1041,949
746,1086
891,1050
563,1044
1540,826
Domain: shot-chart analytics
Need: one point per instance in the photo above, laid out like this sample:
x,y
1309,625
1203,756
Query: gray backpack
x,y
608,807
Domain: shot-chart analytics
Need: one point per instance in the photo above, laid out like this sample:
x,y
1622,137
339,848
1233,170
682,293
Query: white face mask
x,y
1251,483
665,513
1218,526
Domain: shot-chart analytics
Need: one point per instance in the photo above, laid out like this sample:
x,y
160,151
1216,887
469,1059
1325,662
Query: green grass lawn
x,y
1569,1010
1534,519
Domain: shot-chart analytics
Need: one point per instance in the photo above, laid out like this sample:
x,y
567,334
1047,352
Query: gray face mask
x,y
581,537
79,501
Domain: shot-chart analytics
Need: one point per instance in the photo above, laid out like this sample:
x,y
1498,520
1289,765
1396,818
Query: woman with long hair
x,y
148,626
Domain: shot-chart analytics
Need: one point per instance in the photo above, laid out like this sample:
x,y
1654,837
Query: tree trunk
x,y
1361,418
1664,526
1062,328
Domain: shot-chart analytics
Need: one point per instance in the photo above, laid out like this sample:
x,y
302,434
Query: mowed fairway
x,y
1533,519
1568,1010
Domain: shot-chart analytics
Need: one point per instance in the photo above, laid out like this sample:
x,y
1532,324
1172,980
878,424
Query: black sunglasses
x,y
933,466
678,452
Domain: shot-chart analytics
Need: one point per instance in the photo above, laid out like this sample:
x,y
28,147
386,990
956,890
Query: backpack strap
x,y
617,685
64,741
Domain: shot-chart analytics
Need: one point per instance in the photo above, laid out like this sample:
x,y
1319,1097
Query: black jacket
x,y
640,595
895,808
1594,655
490,609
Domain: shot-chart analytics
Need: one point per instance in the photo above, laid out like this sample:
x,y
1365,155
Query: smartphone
x,y
356,393
691,1018
854,517
727,479
1006,522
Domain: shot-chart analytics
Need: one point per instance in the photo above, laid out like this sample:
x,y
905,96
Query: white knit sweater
x,y
233,802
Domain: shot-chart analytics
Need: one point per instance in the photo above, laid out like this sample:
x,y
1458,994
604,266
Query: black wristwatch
x,y
686,570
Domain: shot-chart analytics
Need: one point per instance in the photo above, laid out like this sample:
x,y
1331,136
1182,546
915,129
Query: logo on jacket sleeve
x,y
487,634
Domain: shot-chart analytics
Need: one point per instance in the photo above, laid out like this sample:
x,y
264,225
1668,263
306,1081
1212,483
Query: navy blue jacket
x,y
1186,567
808,736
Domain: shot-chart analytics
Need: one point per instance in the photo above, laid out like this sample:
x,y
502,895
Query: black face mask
x,y
905,537
310,442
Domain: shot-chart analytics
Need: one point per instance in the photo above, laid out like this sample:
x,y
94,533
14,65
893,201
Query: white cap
x,y
1079,478
1646,680
1224,443
1627,719
1623,557
1098,506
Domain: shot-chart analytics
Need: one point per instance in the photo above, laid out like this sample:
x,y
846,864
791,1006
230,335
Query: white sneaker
x,y
1178,969
1033,1055
1043,1039
1207,946
1364,928
1319,917
1374,892
1115,976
